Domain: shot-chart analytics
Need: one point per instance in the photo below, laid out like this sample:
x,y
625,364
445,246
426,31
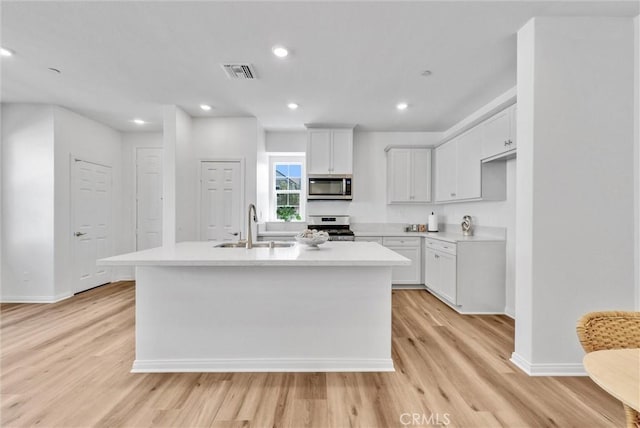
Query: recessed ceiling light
x,y
6,52
280,51
293,106
402,106
205,107
426,73
138,121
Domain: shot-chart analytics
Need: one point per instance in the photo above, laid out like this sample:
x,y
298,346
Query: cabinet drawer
x,y
409,241
376,239
445,247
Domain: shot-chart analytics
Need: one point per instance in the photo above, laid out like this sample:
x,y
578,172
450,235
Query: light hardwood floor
x,y
67,365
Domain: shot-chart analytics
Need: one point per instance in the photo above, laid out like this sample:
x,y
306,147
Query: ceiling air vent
x,y
239,71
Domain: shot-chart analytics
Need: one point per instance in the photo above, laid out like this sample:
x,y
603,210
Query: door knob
x,y
80,233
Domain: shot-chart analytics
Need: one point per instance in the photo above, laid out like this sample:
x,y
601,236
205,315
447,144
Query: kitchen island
x,y
205,309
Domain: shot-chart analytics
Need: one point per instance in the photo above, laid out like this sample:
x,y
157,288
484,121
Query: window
x,y
287,190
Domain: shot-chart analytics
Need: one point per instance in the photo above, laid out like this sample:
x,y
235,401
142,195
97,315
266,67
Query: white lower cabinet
x,y
440,274
409,247
285,238
468,275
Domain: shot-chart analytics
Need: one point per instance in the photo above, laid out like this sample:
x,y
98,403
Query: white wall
x,y
169,137
131,141
493,214
39,144
262,175
186,180
637,154
79,137
575,167
369,203
226,139
27,203
286,141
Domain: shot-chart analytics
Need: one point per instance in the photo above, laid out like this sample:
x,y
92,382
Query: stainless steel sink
x,y
261,244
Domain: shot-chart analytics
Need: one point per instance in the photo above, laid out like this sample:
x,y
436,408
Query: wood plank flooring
x,y
67,365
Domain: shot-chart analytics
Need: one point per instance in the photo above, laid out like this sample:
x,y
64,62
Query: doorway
x,y
220,200
91,223
148,198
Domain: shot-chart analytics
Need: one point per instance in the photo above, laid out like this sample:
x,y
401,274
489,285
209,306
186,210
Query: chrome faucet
x,y
255,218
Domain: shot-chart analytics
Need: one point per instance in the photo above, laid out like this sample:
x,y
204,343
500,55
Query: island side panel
x,y
228,319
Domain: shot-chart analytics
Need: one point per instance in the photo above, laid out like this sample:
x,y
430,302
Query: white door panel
x,y
148,198
91,225
220,201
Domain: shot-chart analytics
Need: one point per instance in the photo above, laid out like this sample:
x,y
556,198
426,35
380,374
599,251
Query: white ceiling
x,y
351,62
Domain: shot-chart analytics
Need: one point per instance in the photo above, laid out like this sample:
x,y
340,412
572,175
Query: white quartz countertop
x,y
205,254
442,236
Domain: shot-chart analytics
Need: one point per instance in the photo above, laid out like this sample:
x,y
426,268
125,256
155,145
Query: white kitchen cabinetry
x,y
329,151
408,174
460,174
446,166
468,165
499,133
376,239
410,248
468,275
286,238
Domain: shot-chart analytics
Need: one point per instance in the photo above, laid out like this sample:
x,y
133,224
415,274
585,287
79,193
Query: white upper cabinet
x,y
446,170
468,174
319,152
471,166
499,133
408,174
330,151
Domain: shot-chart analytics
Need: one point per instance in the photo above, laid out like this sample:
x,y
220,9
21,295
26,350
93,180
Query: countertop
x,y
442,236
204,254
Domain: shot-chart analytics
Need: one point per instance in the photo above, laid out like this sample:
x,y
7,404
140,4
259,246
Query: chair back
x,y
609,330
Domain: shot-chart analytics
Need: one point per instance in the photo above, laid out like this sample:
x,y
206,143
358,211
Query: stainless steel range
x,y
337,226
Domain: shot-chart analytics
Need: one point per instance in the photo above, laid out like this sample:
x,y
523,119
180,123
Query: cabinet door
x,y
407,274
431,270
512,144
319,152
448,286
445,166
496,134
469,166
376,239
342,152
399,176
421,175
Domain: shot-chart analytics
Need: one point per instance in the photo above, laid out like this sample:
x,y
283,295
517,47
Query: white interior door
x,y
220,199
91,211
148,198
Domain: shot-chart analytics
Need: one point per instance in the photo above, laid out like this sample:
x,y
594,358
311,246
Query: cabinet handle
x,y
453,194
436,256
510,142
506,144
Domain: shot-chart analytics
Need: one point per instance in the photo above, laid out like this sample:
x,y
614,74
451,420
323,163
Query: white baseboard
x,y
262,365
407,286
510,312
548,369
34,299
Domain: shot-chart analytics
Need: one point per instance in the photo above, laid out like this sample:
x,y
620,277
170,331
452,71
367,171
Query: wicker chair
x,y
611,330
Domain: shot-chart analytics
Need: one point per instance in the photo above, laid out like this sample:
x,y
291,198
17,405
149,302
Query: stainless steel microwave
x,y
329,187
